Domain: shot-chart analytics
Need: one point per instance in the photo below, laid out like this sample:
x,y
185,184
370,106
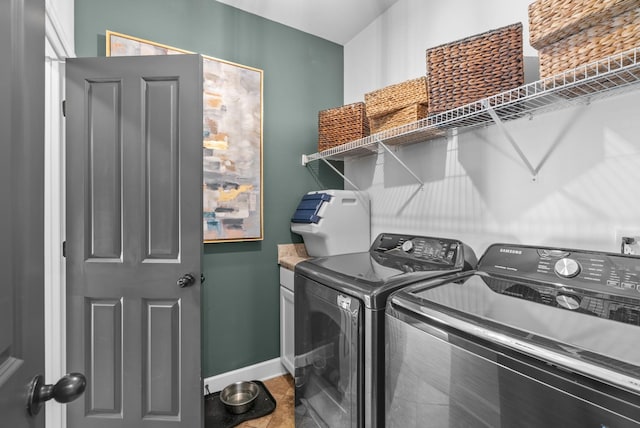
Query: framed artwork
x,y
232,141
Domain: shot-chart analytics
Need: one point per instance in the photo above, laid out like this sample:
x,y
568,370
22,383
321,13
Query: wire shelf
x,y
584,84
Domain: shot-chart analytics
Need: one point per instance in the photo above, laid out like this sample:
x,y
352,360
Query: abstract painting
x,y
232,141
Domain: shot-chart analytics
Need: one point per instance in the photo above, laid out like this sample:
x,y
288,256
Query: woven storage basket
x,y
614,35
395,97
402,122
399,117
341,125
553,20
470,69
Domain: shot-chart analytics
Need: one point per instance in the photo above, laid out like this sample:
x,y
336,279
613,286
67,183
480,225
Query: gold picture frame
x,y
232,141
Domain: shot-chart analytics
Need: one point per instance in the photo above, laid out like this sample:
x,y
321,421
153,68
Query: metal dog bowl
x,y
239,397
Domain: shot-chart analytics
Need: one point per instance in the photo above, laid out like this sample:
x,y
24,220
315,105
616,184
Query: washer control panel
x,y
603,284
412,253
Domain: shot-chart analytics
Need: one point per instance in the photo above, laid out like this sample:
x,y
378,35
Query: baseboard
x,y
261,371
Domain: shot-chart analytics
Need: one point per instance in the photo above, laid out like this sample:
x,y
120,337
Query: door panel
x,y
160,357
104,126
21,212
162,155
134,227
103,346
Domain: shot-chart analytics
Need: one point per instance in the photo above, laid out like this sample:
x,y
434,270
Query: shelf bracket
x,y
510,138
388,150
340,174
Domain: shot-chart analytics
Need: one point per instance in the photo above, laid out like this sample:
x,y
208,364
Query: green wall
x,y
302,75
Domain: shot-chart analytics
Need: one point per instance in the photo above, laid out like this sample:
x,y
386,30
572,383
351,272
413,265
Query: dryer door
x,y
328,356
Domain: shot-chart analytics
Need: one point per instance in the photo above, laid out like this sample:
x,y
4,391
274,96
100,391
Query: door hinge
x,y
64,248
64,108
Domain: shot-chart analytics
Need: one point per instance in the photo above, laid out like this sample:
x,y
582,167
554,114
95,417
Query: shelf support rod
x,y
509,138
384,146
341,174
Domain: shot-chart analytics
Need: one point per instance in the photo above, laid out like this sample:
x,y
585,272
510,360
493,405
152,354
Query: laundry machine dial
x,y
407,246
567,268
568,302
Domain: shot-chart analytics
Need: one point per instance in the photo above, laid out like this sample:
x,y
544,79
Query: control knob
x,y
567,268
568,302
407,246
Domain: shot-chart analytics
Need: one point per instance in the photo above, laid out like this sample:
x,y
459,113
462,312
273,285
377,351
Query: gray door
x,y
134,239
21,211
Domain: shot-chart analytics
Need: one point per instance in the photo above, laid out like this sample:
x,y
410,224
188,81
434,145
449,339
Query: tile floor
x,y
282,389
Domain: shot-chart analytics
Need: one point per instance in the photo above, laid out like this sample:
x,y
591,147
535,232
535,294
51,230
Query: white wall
x,y
476,187
393,48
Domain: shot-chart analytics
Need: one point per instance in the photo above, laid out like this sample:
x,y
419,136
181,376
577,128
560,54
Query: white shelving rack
x,y
582,85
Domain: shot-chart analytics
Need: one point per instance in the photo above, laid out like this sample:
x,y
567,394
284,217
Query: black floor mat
x,y
217,416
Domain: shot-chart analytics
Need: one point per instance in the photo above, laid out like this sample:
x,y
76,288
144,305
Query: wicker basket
x,y
341,125
397,118
395,97
615,35
553,20
401,123
470,69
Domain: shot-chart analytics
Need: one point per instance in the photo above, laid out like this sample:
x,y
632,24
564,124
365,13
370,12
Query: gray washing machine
x,y
339,324
535,337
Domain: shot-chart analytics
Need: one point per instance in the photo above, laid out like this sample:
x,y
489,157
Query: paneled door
x,y
134,239
22,44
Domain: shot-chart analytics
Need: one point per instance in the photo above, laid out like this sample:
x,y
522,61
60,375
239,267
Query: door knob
x,y
186,280
67,389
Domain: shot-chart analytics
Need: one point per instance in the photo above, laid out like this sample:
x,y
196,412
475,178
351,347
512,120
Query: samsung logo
x,y
510,251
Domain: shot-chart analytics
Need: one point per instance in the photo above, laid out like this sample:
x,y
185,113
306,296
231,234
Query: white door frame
x,y
56,50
